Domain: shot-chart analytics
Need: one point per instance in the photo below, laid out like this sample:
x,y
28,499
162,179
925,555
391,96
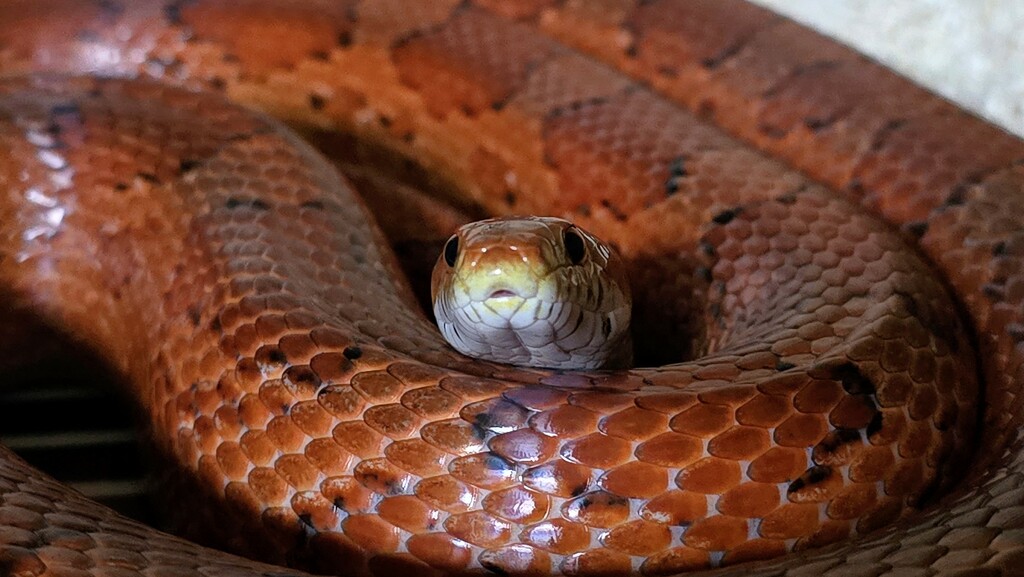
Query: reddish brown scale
x,y
222,267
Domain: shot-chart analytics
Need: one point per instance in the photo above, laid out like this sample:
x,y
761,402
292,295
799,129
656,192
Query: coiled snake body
x,y
860,291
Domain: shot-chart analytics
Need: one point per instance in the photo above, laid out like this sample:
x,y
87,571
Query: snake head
x,y
533,291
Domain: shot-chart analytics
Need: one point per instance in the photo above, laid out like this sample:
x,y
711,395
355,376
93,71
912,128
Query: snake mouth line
x,y
501,293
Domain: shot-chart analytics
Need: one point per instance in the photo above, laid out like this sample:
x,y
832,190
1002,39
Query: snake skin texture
x,y
842,251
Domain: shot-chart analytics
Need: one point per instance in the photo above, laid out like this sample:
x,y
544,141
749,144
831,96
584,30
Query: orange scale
x,y
718,533
517,559
383,478
479,528
268,486
327,456
441,551
315,510
703,420
341,401
517,504
677,508
410,513
739,443
298,348
417,457
598,451
676,560
347,494
872,464
670,450
559,536
754,550
448,493
331,367
377,387
636,480
392,420
524,446
749,500
312,419
260,449
639,537
358,438
790,521
432,403
297,471
597,509
558,478
818,396
453,436
373,534
565,422
233,461
634,424
853,501
484,470
764,410
276,397
801,430
288,437
597,562
711,475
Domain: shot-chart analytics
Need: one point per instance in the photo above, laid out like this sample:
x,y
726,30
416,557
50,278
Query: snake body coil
x,y
859,293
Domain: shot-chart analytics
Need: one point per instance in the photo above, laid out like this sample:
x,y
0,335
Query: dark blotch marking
x,y
235,202
917,229
703,273
352,353
493,568
321,55
726,216
121,186
836,439
277,356
65,109
172,12
875,425
854,382
218,83
215,325
195,315
957,197
810,477
786,199
510,198
148,177
819,124
717,60
999,248
883,134
313,204
345,39
88,36
676,170
781,365
993,292
317,102
110,8
188,164
606,327
616,211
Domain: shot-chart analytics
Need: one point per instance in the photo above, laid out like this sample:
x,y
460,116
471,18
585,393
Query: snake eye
x,y
451,250
574,247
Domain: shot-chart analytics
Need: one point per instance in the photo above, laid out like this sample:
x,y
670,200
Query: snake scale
x,y
849,243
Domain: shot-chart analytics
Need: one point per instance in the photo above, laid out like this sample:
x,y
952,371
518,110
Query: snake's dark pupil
x,y
451,250
574,246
